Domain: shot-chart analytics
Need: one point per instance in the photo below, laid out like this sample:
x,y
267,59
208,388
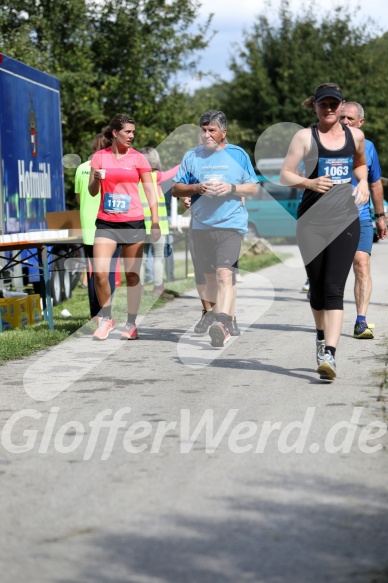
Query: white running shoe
x,y
320,344
327,370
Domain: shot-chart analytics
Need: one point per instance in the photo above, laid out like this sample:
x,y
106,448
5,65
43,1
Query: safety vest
x,y
162,210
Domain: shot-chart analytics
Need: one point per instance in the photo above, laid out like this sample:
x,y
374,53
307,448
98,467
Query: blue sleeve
x,y
249,173
184,174
242,170
374,170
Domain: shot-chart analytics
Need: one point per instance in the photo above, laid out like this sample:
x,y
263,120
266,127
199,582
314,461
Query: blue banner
x,y
31,146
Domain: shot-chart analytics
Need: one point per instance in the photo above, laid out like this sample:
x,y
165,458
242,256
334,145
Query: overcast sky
x,y
232,16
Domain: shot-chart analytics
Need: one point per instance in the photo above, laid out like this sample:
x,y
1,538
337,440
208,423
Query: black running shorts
x,y
216,248
123,233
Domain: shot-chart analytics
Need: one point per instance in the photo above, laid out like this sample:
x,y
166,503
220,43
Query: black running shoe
x,y
233,327
204,323
219,334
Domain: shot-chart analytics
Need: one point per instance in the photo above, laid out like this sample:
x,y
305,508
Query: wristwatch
x,y
233,189
379,215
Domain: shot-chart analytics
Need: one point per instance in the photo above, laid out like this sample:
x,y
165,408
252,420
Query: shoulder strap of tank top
x,y
314,133
314,137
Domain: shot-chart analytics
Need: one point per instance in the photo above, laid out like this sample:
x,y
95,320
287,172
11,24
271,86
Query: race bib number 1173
x,y
116,203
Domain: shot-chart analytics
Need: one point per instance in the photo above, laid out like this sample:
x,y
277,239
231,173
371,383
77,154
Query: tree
x,y
372,95
138,49
53,36
278,67
110,57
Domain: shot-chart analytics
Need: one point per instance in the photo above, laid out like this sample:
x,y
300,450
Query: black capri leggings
x,y
329,270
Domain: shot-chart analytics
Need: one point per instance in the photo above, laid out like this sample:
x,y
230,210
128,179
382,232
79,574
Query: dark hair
x,y
117,123
213,116
309,102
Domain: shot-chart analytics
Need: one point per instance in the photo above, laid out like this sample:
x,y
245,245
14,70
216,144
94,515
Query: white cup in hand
x,y
213,183
102,174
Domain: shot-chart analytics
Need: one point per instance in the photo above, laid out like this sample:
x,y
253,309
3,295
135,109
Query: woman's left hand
x,y
155,232
361,192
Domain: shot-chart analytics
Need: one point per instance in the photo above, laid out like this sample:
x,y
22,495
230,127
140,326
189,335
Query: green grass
x,y
16,344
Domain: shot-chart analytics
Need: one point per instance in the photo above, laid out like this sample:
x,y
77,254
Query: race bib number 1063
x,y
338,169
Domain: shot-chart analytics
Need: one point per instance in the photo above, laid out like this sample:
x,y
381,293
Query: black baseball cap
x,y
324,92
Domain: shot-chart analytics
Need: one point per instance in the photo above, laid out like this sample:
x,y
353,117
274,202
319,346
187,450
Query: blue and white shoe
x,y
362,331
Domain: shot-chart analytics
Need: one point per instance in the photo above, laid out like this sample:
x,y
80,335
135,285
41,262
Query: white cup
x,y
14,237
6,238
102,174
215,180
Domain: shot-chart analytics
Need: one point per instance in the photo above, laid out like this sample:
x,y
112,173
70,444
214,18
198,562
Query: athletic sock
x,y
106,312
131,318
360,319
330,350
320,334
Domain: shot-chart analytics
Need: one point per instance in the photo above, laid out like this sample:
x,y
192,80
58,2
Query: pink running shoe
x,y
130,332
104,329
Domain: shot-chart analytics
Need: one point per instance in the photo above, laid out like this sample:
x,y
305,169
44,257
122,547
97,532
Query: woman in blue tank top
x,y
328,224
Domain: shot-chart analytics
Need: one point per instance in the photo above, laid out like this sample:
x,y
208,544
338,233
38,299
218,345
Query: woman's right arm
x,y
94,181
298,149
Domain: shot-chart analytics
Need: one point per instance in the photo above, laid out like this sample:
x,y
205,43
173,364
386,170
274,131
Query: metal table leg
x,y
45,287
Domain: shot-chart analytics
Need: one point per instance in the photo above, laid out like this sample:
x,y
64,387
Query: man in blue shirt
x,y
216,175
352,114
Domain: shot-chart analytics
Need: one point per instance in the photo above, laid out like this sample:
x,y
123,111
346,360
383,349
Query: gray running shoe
x,y
233,327
327,370
320,344
203,325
